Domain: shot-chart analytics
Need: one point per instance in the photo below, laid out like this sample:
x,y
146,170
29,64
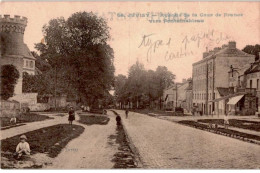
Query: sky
x,y
153,39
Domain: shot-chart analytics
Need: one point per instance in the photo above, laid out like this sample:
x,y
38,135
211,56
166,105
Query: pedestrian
x,y
226,121
71,115
23,148
82,108
126,113
118,120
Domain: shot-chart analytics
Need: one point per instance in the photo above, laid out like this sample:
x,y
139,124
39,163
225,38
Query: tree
x,y
37,83
120,88
142,87
152,86
9,77
80,58
254,50
41,63
136,84
165,79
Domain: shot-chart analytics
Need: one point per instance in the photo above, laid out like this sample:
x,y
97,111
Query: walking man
x,y
126,113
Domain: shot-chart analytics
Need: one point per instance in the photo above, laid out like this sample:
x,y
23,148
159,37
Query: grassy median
x,y
244,124
50,140
24,118
93,119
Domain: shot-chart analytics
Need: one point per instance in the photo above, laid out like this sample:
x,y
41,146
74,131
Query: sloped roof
x,y
225,51
232,52
255,68
37,71
173,86
189,87
224,91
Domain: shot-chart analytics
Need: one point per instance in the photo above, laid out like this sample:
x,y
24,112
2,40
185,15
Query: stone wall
x,y
61,101
9,108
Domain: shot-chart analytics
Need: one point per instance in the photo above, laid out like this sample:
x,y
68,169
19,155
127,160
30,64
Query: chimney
x,y
205,54
232,45
216,49
224,45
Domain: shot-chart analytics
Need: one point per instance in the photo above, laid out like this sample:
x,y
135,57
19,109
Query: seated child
x,y
23,148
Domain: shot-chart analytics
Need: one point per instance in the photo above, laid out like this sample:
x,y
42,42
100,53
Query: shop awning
x,y
234,100
228,97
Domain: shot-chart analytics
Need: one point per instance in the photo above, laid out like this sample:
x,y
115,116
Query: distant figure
x,y
226,121
104,112
82,107
118,120
126,113
13,120
71,115
23,148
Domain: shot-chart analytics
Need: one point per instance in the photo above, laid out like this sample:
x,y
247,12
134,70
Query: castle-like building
x,y
13,50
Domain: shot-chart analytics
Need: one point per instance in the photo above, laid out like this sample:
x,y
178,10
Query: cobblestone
x,y
164,144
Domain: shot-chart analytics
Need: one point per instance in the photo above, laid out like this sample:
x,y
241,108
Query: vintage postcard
x,y
130,85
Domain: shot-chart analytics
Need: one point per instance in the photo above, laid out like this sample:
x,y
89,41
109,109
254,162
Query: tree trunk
x,y
160,103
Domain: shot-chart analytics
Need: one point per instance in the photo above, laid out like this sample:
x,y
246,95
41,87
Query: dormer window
x,y
31,64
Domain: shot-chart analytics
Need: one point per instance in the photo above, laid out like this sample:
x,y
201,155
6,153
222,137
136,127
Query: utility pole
x,y
176,95
207,88
213,87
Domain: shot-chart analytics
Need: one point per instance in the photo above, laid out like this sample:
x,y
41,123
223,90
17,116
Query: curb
x,y
252,141
137,158
11,126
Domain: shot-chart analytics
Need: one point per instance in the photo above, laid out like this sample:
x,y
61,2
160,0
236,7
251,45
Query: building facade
x,y
188,104
251,80
176,95
13,49
212,72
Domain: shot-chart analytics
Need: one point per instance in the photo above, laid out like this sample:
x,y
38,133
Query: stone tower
x,y
12,47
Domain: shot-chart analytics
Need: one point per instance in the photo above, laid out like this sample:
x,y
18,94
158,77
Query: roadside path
x,y
163,144
33,126
91,150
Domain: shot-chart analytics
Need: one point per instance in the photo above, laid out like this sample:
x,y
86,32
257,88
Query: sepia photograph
x,y
133,85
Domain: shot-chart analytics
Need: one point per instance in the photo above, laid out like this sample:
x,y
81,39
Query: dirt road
x,y
90,150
